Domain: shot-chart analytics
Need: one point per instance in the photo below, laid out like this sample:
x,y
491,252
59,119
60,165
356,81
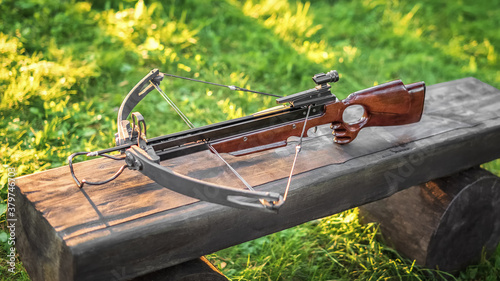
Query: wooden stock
x,y
388,104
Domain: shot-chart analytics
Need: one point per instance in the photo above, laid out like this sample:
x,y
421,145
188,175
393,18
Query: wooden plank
x,y
135,224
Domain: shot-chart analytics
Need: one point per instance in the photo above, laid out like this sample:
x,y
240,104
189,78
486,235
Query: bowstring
x,y
232,87
191,126
298,147
172,104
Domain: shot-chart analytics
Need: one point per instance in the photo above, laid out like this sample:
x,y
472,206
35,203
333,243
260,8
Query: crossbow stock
x,y
387,104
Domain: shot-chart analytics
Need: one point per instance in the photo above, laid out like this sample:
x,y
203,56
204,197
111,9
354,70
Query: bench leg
x,y
444,223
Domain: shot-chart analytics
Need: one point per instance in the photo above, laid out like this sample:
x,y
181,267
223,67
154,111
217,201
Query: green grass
x,y
333,248
66,66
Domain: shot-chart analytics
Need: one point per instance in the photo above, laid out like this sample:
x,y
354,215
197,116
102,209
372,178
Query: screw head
x,y
245,138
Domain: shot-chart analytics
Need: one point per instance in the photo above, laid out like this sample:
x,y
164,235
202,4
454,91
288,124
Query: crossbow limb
x,y
388,104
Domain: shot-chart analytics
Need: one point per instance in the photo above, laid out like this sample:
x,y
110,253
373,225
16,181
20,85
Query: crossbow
x,y
388,104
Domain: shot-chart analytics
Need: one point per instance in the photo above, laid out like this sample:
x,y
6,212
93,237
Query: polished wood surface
x,y
135,226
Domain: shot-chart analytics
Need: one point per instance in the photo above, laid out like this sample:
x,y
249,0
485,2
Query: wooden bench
x,y
132,226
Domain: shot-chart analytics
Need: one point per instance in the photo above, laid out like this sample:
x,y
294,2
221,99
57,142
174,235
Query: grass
x,y
66,66
333,248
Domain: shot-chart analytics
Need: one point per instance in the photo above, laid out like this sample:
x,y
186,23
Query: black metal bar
x,y
232,128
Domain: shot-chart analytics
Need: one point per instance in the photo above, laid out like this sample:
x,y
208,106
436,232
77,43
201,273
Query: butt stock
x,y
389,104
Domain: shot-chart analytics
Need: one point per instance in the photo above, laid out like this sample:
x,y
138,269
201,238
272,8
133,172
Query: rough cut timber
x,y
194,270
444,223
134,226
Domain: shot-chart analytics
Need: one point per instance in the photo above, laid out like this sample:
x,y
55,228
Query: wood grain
x,y
135,224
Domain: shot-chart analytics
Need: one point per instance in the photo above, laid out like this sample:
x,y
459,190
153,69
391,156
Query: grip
x,y
388,104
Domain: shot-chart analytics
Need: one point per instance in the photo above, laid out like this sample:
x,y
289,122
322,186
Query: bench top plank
x,y
134,223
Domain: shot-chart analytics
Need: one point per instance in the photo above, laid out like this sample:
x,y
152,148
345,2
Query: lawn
x,y
66,66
